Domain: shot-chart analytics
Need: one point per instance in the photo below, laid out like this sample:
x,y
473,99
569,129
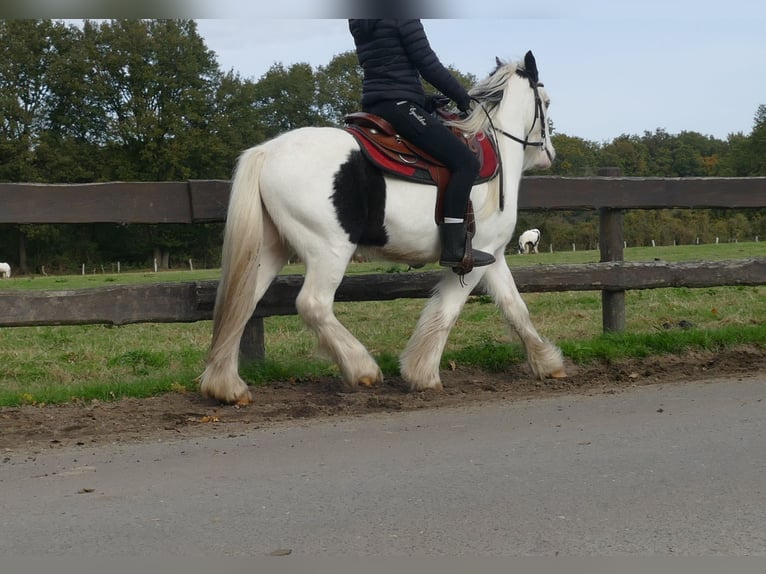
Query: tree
x,y
339,88
120,99
31,53
628,153
735,161
696,155
467,80
71,147
660,149
28,51
758,142
155,82
687,162
286,99
574,156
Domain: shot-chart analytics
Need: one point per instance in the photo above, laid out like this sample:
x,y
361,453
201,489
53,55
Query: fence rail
x,y
202,201
191,301
206,201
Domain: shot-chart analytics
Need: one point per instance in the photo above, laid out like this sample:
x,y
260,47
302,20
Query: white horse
x,y
311,191
5,270
529,240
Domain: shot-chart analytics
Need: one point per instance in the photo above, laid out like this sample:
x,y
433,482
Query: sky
x,y
607,76
610,67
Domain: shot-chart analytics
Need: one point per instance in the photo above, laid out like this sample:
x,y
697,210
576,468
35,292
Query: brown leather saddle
x,y
393,154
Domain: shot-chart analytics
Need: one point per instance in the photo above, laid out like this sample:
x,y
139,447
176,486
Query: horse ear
x,y
498,65
530,66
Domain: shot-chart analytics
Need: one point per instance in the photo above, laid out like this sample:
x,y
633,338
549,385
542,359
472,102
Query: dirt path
x,y
32,428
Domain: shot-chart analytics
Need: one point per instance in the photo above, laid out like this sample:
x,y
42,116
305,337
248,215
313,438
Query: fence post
x,y
610,242
252,348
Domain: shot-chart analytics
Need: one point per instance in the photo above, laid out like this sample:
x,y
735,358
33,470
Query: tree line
x,y
146,100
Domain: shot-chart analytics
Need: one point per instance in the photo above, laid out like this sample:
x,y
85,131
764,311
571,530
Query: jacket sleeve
x,y
419,50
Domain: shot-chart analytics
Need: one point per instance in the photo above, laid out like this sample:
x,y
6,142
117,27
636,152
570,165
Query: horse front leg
x,y
420,361
315,306
544,358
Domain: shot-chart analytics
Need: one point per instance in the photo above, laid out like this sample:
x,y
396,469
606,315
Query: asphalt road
x,y
658,470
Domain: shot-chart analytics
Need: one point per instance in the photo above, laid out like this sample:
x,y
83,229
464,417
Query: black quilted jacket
x,y
394,55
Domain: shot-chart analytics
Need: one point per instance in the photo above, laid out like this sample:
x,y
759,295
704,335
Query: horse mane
x,y
489,92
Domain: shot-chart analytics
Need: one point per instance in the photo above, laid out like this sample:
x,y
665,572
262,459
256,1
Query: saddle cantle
x,y
382,146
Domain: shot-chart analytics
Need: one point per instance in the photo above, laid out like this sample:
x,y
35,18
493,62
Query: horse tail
x,y
242,244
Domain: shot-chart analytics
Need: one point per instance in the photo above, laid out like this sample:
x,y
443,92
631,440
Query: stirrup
x,y
471,259
456,242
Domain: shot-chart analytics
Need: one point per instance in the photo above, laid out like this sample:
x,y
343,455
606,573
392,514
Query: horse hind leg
x,y
234,307
315,306
544,358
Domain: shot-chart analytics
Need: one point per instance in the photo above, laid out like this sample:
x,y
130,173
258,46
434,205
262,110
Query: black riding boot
x,y
457,251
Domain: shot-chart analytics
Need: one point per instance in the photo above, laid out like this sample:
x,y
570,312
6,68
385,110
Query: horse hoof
x,y
437,387
367,381
244,400
560,374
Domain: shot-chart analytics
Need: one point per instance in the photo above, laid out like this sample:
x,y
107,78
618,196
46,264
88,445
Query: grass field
x,y
58,364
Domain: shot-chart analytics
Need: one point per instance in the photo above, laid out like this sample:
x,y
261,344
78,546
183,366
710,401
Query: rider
x,y
394,54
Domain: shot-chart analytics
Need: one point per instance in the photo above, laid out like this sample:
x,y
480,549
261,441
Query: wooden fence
x,y
206,201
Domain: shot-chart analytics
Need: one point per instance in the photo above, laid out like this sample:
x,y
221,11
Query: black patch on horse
x,y
360,201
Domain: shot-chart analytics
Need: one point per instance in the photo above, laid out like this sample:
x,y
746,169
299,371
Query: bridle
x,y
539,115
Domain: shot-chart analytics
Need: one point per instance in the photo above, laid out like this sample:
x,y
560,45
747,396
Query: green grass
x,y
61,364
67,282
610,347
704,252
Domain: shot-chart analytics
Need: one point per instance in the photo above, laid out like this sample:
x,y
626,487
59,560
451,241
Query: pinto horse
x,y
529,240
311,191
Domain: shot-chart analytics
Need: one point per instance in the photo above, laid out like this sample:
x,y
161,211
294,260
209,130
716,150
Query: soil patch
x,y
176,415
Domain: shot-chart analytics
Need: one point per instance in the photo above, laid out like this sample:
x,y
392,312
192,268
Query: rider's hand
x,y
435,101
